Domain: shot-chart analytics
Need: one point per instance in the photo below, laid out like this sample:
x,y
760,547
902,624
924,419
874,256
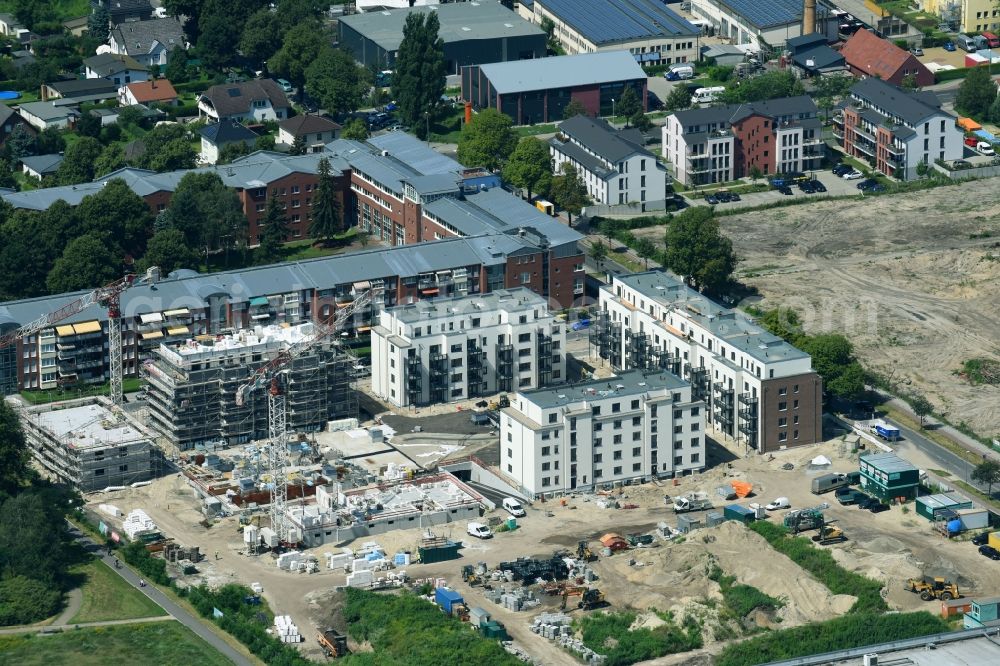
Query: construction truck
x,y
583,552
830,534
590,597
803,520
692,502
333,644
933,588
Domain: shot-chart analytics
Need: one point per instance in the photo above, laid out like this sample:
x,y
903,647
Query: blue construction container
x,y
447,599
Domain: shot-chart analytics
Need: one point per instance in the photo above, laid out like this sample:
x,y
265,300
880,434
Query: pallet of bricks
x,y
286,630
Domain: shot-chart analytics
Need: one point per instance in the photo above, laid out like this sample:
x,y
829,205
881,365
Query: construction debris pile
x,y
556,627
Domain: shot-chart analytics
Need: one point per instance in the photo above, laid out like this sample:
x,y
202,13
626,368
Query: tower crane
x,y
108,296
268,374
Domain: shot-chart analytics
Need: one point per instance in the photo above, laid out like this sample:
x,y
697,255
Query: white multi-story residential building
x,y
723,143
449,349
759,389
633,427
896,130
612,164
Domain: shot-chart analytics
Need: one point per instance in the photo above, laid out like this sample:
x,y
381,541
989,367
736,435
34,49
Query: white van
x,y
679,73
780,503
707,95
479,530
513,507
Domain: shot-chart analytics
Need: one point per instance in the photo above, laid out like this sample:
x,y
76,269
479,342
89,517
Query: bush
x,y
941,76
153,568
841,633
739,598
23,601
609,634
820,563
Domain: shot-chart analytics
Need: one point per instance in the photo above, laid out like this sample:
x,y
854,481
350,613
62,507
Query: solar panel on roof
x,y
603,21
766,14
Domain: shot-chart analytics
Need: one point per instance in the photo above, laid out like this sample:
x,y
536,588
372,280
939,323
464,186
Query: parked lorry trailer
x,y
882,429
827,482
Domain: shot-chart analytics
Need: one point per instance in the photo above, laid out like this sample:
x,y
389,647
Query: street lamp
x,y
612,109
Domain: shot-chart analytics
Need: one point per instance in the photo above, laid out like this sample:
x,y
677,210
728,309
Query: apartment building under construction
x,y
191,396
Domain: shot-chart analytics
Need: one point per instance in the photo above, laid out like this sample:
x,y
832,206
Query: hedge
x,y
950,74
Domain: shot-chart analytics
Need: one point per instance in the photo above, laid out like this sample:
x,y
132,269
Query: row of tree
x,y
66,248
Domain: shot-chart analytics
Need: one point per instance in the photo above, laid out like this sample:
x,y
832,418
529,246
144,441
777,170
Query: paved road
x,y
184,617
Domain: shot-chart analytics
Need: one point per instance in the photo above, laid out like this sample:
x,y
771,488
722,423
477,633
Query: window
x,y
678,413
618,439
695,427
598,457
618,424
695,442
510,453
678,428
695,457
455,349
795,388
636,420
553,417
598,427
782,406
782,422
636,436
795,404
636,451
596,410
635,404
782,391
546,466
617,455
783,436
546,450
636,467
616,407
795,419
617,470
546,481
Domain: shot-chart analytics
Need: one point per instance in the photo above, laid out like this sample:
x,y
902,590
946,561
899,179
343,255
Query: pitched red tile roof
x,y
159,90
874,56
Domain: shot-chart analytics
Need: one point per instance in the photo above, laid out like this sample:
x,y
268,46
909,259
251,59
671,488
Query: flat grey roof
x,y
86,426
731,325
960,648
568,71
509,300
460,21
634,382
46,110
889,463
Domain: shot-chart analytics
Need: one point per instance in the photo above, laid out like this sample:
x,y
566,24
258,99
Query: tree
x,y
220,25
770,85
995,110
923,169
176,70
168,148
599,252
21,142
233,151
15,458
833,358
336,81
300,46
273,234
678,99
111,159
987,472
568,191
208,213
487,141
552,44
921,406
49,142
697,250
909,82
355,129
86,263
640,121
264,142
99,23
24,600
326,220
529,166
573,109
298,146
169,250
293,12
116,215
828,89
78,164
419,78
977,93
261,35
89,125
629,103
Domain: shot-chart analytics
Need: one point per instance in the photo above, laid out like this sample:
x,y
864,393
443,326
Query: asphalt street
x,y
181,615
959,467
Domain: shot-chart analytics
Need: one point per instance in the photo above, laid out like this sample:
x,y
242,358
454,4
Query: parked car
x,y
871,185
784,189
948,46
990,552
711,199
809,186
580,324
878,507
863,501
917,51
285,85
853,174
985,148
981,539
841,169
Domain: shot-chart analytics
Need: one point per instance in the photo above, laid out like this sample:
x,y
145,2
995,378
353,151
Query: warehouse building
x,y
762,25
624,429
758,389
473,33
537,91
192,386
83,443
653,33
450,349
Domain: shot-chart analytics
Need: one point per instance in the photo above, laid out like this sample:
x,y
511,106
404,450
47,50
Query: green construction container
x,y
494,629
439,553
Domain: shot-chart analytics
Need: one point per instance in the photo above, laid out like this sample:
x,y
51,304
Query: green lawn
x,y
163,643
106,596
532,130
129,385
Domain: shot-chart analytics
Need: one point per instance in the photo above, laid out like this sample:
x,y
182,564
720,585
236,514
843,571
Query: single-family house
x,y
254,101
315,131
154,91
79,91
39,166
76,26
9,120
149,42
870,56
217,136
43,115
117,68
10,26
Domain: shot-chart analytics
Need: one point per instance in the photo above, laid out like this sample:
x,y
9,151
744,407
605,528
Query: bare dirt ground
x,y
890,547
911,279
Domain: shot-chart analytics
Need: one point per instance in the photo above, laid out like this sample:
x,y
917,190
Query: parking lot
x,y
835,187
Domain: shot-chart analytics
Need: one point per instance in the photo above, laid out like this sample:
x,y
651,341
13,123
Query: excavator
x,y
933,588
583,552
589,597
829,534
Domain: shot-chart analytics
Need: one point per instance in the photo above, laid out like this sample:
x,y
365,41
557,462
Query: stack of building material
x,y
339,560
360,579
290,561
110,510
137,522
286,630
556,627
